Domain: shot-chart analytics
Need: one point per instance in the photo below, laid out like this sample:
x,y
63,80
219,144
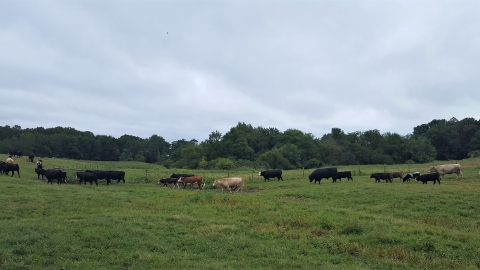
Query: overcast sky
x,y
111,68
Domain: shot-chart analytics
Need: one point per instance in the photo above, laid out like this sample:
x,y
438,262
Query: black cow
x,y
166,181
109,175
271,174
424,178
15,153
347,174
2,164
9,167
326,173
54,175
87,176
40,172
382,176
31,157
411,176
117,175
178,175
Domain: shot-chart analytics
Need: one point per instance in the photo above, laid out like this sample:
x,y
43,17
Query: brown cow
x,y
226,183
398,174
191,181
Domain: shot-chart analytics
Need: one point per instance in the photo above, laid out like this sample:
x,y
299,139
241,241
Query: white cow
x,y
447,169
227,183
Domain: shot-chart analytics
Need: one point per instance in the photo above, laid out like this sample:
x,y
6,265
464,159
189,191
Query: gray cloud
x,y
111,68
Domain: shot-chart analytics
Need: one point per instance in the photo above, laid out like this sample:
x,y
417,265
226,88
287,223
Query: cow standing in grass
x,y
87,177
326,173
398,174
347,174
228,183
166,181
271,174
447,169
191,181
424,178
8,167
382,176
55,175
410,176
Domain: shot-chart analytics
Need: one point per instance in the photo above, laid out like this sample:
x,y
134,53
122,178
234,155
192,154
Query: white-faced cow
x,y
411,176
271,174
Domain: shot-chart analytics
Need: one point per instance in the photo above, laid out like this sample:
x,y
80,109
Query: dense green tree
x,y
275,159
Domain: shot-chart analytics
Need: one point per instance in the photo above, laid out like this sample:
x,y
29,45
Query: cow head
x,y
180,180
215,183
432,169
260,174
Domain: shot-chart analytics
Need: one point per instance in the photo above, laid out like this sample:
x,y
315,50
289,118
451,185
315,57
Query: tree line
x,y
244,146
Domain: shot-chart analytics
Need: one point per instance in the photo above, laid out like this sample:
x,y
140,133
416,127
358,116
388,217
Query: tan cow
x,y
447,169
191,181
227,183
398,174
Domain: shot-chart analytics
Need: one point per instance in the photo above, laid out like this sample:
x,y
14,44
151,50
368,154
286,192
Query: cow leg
x,y
18,172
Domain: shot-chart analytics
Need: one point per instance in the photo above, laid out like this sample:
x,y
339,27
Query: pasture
x,y
271,225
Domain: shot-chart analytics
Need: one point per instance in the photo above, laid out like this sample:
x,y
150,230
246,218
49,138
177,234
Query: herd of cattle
x,y
230,183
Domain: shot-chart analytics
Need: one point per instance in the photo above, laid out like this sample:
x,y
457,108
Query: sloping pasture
x,y
272,225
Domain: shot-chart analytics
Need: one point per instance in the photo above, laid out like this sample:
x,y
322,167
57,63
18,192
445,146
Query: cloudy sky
x,y
182,69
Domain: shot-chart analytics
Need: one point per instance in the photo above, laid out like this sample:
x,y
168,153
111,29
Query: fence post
x,y
303,172
252,176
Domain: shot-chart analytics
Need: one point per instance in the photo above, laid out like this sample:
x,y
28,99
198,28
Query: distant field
x,y
272,225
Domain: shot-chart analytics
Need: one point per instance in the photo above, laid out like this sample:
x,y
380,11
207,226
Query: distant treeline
x,y
259,147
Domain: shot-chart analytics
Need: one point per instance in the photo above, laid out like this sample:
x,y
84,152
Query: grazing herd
x,y
230,183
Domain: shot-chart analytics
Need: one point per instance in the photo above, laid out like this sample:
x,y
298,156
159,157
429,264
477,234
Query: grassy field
x,y
272,225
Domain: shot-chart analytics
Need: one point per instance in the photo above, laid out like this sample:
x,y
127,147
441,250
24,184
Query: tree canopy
x,y
255,147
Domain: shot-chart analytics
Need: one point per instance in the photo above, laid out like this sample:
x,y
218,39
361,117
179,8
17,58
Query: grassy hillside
x,y
272,225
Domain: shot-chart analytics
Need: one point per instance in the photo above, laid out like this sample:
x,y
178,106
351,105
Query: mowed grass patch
x,y
284,224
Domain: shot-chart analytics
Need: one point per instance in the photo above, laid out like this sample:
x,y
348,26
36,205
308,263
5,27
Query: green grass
x,y
272,225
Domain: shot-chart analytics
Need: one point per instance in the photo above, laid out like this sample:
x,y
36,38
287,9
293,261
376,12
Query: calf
x,y
398,174
382,176
424,178
40,172
227,183
31,157
347,174
191,181
166,181
410,176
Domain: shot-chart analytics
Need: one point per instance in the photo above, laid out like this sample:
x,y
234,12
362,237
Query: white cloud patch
x,y
111,68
